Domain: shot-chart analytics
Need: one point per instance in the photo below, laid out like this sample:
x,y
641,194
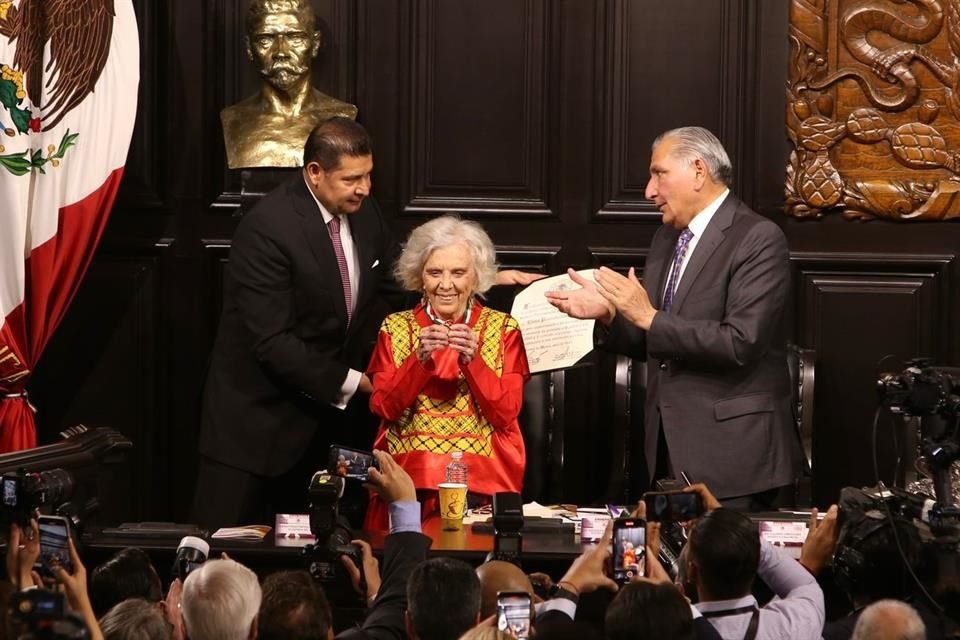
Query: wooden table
x,y
548,552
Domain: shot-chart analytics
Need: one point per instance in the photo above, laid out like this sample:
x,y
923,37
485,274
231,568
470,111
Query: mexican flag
x,y
69,72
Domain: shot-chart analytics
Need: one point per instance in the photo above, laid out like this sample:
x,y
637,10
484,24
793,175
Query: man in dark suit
x,y
708,318
305,291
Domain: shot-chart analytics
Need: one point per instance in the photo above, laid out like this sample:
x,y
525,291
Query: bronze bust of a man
x,y
268,129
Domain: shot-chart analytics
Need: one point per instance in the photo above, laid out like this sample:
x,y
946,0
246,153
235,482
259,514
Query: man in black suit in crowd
x,y
305,291
307,285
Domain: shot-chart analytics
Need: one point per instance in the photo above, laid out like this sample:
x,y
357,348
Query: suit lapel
x,y
318,238
712,237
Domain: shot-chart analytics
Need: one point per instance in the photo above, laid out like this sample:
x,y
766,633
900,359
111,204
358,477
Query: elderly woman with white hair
x,y
448,375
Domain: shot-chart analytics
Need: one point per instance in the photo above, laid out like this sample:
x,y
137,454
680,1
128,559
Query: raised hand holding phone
x,y
587,571
629,549
54,550
74,583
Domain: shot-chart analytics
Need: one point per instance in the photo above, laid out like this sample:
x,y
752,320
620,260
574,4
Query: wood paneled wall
x,y
533,116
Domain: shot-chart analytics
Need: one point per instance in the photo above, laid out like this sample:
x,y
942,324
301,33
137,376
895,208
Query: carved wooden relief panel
x,y
873,109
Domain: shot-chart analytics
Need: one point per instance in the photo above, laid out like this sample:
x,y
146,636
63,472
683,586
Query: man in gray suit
x,y
708,319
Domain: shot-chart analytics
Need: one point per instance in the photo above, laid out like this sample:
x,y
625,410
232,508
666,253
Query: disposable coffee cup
x,y
453,503
592,527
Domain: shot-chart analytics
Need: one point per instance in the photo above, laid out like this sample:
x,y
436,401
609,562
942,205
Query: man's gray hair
x,y
690,143
440,233
889,619
136,619
220,600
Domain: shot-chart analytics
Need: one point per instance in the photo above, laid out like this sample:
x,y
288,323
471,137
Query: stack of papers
x,y
543,511
253,532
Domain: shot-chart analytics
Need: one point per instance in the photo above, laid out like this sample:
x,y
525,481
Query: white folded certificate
x,y
553,340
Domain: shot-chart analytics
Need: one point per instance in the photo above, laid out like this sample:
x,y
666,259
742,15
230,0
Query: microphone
x,y
191,553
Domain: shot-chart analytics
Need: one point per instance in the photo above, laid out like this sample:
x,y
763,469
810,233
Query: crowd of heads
x,y
447,598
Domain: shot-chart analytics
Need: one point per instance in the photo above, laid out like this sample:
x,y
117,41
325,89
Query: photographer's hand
x,y
542,585
371,571
652,528
172,608
22,554
654,570
13,551
710,502
391,481
587,571
75,586
653,539
821,541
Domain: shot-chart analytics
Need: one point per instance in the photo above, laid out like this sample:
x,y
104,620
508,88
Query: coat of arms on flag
x,y
69,73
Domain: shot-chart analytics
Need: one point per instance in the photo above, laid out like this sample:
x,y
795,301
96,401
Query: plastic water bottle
x,y
457,469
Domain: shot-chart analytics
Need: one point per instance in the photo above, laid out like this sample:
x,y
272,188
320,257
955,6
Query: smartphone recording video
x,y
54,550
350,463
673,506
513,613
629,549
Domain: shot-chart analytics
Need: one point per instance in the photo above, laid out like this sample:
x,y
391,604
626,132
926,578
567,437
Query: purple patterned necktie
x,y
334,228
674,278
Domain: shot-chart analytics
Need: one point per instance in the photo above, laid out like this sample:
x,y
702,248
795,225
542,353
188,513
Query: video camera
x,y
886,546
333,541
921,389
933,395
45,615
24,493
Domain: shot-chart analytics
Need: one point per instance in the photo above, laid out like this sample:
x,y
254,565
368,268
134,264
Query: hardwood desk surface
x,y
548,551
467,542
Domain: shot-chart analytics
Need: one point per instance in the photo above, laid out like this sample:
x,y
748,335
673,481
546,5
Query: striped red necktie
x,y
334,228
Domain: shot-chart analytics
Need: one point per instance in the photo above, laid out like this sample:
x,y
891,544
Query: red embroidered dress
x,y
434,408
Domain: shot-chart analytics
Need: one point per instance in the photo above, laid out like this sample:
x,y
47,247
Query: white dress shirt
x,y
797,612
697,227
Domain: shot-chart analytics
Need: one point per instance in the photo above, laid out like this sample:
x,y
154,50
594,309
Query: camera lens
x,y
58,485
47,487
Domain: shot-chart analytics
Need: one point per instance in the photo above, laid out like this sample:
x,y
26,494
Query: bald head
x,y
889,620
495,576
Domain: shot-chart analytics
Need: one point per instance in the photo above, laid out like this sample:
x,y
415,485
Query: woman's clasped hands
x,y
458,337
